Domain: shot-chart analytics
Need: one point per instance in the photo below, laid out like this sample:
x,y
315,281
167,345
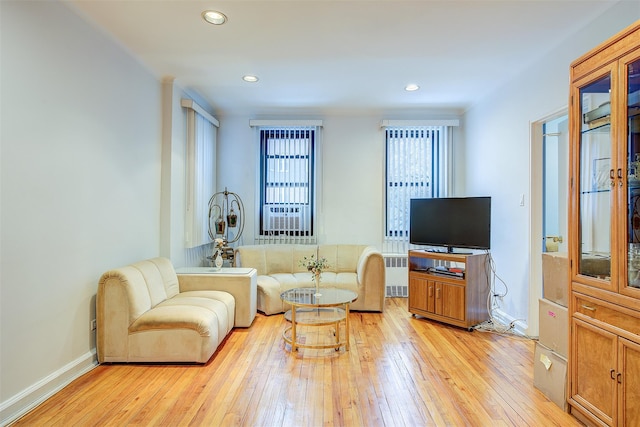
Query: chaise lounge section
x,y
142,315
359,268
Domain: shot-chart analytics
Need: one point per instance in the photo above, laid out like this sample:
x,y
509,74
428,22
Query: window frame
x,y
279,134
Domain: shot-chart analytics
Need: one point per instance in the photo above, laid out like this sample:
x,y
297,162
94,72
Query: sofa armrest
x,y
241,283
371,276
112,317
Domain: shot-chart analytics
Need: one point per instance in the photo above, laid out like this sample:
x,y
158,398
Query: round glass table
x,y
330,308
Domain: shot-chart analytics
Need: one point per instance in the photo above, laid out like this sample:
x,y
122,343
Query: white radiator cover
x,y
397,283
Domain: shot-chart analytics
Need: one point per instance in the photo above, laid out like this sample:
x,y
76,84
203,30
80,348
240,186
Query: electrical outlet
x,y
497,301
93,325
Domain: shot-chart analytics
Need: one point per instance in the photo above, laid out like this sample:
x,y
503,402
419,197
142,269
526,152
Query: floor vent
x,y
396,275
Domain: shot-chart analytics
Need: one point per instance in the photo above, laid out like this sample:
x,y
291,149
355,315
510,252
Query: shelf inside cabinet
x,y
604,128
595,191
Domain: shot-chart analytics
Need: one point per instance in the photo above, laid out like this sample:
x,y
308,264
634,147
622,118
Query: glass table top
x,y
329,297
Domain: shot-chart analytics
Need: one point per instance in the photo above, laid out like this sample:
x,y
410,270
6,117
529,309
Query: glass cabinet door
x,y
633,173
596,180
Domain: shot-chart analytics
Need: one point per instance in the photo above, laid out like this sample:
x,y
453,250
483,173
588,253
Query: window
x,y
287,181
417,166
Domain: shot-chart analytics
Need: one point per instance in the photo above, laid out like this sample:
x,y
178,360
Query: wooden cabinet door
x,y
593,374
593,206
628,383
417,293
450,301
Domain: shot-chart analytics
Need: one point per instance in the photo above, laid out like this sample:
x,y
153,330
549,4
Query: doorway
x,y
549,169
555,169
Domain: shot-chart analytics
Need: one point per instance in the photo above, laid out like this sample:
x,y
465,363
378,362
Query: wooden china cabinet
x,y
604,233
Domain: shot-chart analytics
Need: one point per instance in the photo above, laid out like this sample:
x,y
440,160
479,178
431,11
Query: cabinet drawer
x,y
608,313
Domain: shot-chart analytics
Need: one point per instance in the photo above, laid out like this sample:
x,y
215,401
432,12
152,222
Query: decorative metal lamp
x,y
225,205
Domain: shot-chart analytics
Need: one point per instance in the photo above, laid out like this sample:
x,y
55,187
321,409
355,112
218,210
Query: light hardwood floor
x,y
400,371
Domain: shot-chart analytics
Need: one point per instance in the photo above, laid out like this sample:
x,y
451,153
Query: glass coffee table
x,y
330,308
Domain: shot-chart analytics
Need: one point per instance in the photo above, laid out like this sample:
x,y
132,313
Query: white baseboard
x,y
23,402
520,327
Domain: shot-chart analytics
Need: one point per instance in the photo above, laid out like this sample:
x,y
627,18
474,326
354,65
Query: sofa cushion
x,y
269,301
293,280
341,258
200,319
207,315
169,276
224,297
270,287
281,258
154,281
346,280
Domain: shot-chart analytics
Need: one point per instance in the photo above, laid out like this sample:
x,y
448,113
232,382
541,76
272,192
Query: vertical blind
x,y
201,176
417,165
287,183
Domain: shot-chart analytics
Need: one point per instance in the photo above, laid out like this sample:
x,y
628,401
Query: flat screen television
x,y
452,222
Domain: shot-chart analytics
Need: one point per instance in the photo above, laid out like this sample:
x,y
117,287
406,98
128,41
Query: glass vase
x,y
317,280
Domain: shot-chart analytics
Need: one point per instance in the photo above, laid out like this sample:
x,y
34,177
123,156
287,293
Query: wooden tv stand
x,y
459,300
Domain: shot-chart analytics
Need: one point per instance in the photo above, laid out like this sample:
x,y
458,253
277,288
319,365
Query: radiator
x,y
396,275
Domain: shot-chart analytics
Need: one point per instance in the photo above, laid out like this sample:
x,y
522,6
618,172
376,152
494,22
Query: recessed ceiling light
x,y
250,78
214,17
411,87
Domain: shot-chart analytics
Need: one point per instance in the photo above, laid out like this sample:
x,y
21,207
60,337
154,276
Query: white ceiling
x,y
321,55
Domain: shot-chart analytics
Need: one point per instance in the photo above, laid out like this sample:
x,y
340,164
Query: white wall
x,y
81,189
497,146
80,182
352,173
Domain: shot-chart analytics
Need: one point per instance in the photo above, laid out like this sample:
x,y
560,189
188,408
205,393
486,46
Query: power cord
x,y
494,324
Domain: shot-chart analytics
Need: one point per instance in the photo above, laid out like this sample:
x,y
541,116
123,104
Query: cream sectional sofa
x,y
356,267
145,314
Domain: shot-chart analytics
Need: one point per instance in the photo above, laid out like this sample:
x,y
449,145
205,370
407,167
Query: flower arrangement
x,y
219,243
314,265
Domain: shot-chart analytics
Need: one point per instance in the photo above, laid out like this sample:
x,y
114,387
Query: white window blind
x,y
201,172
287,181
418,164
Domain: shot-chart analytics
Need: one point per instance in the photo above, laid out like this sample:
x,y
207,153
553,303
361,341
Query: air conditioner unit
x,y
283,219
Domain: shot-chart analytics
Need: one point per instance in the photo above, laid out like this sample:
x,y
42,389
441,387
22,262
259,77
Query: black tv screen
x,y
455,222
